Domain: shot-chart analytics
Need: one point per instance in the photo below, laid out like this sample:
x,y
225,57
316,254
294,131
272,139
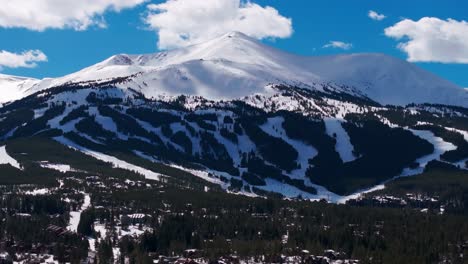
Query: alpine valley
x,y
196,138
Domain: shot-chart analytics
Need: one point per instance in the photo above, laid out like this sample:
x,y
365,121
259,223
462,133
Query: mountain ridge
x,y
235,65
14,87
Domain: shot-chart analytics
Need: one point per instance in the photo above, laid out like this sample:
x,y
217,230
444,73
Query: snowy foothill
x,y
274,127
7,159
207,175
117,163
440,147
271,185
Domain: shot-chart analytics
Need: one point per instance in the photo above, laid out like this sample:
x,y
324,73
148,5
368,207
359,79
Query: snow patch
x,y
43,191
358,194
76,215
463,132
58,167
7,159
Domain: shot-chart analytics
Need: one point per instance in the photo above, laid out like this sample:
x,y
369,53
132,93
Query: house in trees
x,y
134,219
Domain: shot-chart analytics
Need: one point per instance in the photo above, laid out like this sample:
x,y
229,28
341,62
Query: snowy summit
x,y
235,65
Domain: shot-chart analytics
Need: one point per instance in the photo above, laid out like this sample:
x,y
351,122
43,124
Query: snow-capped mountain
x,y
251,119
235,65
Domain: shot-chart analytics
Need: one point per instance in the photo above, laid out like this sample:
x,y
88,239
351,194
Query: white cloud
x,y
42,14
27,59
184,22
376,16
432,40
338,45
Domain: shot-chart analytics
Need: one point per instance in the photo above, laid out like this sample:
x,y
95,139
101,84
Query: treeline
x,y
219,224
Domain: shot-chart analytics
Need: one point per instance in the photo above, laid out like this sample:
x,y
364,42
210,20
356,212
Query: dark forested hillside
x,y
299,176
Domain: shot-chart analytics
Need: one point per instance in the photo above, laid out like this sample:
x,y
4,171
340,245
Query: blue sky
x,y
314,24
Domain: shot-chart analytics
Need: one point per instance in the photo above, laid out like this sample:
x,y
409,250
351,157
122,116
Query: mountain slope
x,y
234,66
249,118
294,142
388,80
13,87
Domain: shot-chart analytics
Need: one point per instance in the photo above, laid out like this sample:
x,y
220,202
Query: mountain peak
x,y
120,59
235,65
236,34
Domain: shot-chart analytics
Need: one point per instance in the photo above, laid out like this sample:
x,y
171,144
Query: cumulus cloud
x,y
27,59
180,23
376,16
338,45
39,15
432,39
